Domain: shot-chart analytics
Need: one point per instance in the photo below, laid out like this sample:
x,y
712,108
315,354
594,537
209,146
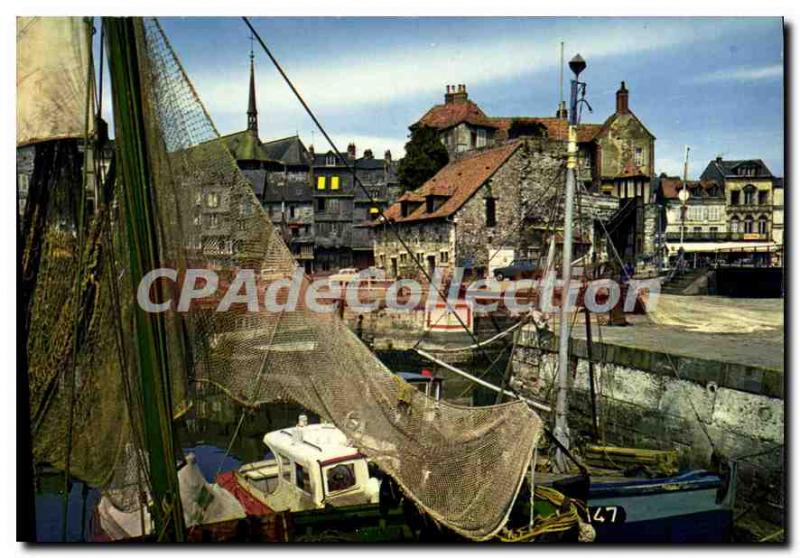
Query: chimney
x,y
719,158
561,112
351,150
368,154
622,100
387,156
456,94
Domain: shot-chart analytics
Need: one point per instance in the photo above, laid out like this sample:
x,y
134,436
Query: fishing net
x,y
461,465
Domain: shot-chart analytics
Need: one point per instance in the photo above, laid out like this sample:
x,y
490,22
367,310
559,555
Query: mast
x,y
141,229
561,430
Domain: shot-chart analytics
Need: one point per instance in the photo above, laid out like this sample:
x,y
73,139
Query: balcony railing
x,y
718,236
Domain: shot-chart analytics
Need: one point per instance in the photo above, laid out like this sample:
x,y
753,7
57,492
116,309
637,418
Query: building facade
x,y
313,199
615,158
748,187
485,204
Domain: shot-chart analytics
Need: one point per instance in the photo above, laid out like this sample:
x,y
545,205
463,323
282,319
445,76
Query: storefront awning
x,y
691,247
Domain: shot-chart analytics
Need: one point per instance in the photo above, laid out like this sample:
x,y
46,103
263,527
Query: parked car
x,y
517,268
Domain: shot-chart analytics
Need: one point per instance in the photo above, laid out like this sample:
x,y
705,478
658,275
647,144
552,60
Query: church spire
x,y
252,112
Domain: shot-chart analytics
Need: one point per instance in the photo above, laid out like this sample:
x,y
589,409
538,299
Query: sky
x,y
714,84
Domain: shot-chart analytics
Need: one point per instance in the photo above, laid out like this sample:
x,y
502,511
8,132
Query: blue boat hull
x,y
696,507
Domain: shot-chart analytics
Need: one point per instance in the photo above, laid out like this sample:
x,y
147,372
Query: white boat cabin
x,y
314,466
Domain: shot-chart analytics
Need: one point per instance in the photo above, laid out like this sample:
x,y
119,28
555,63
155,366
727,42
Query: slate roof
x,y
245,146
457,181
720,169
289,151
452,114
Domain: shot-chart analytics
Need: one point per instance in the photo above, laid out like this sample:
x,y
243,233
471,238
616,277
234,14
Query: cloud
x,y
743,74
421,70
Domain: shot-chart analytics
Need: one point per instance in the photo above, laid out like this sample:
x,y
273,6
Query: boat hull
x,y
692,508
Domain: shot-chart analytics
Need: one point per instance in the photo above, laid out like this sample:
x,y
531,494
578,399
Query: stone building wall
x,y
618,146
643,402
424,239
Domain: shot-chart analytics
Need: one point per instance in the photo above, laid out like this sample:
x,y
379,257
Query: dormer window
x,y
429,204
481,139
330,160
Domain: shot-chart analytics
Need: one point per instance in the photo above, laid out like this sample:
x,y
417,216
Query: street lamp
x,y
577,93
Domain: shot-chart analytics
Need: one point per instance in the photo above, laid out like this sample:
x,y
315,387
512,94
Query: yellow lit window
x,y
374,210
320,183
334,183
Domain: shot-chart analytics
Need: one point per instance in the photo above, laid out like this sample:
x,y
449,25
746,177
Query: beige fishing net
x,y
461,465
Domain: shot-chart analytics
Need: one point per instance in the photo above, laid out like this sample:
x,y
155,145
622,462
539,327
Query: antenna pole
x,y
561,78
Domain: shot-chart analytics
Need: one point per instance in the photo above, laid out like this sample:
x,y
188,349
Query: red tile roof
x,y
457,181
454,113
556,127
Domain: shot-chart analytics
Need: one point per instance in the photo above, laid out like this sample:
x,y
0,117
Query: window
x,y
291,212
320,204
638,157
420,257
403,257
491,218
198,198
762,197
735,225
444,257
320,183
212,199
749,194
473,139
213,220
341,477
762,225
748,224
374,210
301,478
697,229
334,183
735,197
197,219
330,160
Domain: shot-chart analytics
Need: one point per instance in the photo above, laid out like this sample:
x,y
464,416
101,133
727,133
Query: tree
x,y
425,155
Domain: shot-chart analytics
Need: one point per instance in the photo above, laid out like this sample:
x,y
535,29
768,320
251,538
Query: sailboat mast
x,y
140,226
561,429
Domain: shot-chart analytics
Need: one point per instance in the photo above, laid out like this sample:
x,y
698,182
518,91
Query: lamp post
x,y
561,430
